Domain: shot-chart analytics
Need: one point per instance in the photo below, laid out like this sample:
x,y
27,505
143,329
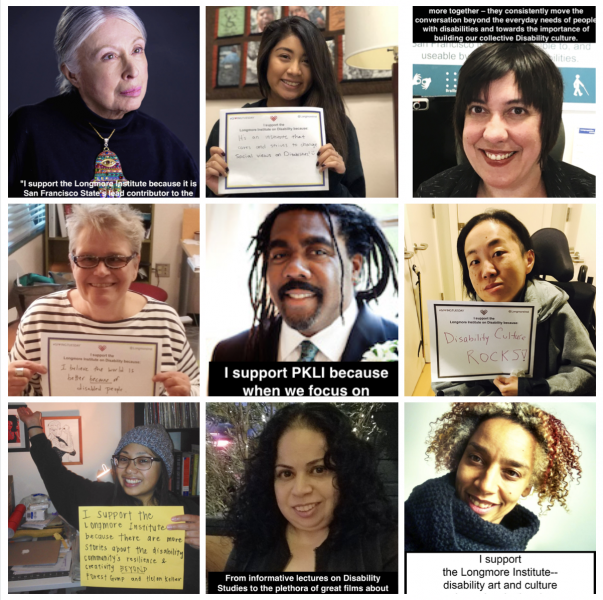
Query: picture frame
x,y
18,437
65,435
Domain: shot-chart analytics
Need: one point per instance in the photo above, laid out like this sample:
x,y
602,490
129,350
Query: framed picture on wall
x,y
18,438
65,435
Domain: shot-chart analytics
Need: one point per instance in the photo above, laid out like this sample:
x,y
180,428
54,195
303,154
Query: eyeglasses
x,y
144,463
112,262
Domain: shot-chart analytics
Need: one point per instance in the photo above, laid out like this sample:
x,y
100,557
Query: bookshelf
x,y
133,415
56,248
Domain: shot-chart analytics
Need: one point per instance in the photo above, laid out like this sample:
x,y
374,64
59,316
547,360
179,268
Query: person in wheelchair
x,y
499,265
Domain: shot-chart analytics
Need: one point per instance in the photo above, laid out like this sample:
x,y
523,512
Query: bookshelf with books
x,y
56,242
181,420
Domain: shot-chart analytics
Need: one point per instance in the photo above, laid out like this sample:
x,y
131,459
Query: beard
x,y
300,322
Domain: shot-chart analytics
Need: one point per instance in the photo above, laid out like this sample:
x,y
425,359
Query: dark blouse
x,y
561,180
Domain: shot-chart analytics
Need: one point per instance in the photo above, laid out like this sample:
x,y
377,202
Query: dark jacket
x,y
53,141
369,329
69,491
561,180
349,185
359,555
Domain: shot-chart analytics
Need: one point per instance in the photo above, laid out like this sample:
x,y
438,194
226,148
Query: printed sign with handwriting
x,y
481,340
130,547
272,150
83,365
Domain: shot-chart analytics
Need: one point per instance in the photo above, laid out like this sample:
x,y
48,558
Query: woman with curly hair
x,y
311,499
495,454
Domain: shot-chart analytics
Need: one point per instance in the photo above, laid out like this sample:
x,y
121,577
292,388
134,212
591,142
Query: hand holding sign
x,y
272,150
191,529
215,168
329,158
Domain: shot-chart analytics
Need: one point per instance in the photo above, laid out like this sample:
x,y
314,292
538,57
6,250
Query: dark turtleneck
x,y
53,142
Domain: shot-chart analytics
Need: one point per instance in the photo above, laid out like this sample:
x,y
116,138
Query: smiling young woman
x,y
311,499
295,69
495,454
507,117
143,463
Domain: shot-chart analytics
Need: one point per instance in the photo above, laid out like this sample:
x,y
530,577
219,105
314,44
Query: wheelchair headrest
x,y
552,254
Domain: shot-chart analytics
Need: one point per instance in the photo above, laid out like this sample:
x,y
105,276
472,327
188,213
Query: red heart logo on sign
x,y
102,348
273,118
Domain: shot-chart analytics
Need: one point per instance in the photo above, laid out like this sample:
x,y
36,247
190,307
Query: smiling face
x,y
138,482
496,468
304,272
112,77
496,265
102,288
304,487
501,139
289,75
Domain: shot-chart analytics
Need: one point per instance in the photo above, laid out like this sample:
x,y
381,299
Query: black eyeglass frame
x,y
117,456
128,259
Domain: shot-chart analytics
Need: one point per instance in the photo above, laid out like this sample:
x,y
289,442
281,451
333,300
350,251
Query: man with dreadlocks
x,y
315,267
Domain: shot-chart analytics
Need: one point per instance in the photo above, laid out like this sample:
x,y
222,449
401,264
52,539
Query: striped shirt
x,y
55,314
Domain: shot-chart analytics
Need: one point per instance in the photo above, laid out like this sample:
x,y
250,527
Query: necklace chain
x,y
106,140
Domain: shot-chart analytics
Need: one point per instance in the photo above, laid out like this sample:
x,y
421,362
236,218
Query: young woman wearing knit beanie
x,y
495,453
142,466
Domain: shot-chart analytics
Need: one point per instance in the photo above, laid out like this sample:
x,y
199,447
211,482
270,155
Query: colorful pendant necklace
x,y
108,175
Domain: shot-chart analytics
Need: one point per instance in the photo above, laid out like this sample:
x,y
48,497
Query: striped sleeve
x,y
54,314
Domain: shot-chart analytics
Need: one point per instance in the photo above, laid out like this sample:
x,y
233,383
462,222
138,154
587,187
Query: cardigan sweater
x,y
52,142
437,521
349,185
54,313
561,180
360,554
564,358
69,491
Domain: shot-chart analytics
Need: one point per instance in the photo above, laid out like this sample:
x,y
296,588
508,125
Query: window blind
x,y
25,221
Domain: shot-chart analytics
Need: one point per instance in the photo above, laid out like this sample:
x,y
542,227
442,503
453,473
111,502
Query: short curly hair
x,y
556,460
255,521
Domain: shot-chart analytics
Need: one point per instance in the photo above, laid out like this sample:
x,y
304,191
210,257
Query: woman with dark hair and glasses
x,y
143,463
499,265
104,250
311,499
295,69
507,117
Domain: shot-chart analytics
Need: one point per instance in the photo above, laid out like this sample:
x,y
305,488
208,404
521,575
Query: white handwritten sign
x,y
272,150
481,340
83,365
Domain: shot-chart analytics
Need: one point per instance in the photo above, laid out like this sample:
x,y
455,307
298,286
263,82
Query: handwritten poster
x,y
130,547
481,340
272,150
83,365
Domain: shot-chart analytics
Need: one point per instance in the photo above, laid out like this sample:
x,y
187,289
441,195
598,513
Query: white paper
x,y
585,150
481,340
87,365
272,150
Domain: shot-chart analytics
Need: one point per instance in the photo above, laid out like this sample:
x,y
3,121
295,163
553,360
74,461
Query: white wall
x,y
101,432
373,118
28,259
166,247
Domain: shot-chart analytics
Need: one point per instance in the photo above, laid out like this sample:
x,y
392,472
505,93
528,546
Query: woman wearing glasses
x,y
104,251
142,463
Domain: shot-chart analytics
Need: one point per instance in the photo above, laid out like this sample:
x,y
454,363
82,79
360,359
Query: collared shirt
x,y
331,341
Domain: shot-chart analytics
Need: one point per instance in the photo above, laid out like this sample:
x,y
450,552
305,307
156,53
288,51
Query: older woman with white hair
x,y
104,251
92,139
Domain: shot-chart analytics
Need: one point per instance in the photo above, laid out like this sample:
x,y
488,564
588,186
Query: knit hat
x,y
154,437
